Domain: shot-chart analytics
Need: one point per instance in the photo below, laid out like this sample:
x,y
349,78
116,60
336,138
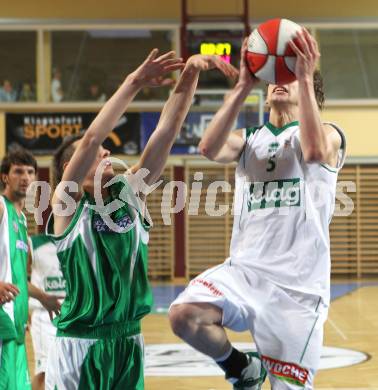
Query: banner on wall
x,y
42,133
192,130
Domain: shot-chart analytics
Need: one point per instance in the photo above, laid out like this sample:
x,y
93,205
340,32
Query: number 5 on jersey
x,y
271,163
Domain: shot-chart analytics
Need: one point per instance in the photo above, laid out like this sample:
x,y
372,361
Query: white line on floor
x,y
337,329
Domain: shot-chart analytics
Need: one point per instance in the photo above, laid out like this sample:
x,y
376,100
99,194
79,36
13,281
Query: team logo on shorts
x,y
273,194
285,371
210,286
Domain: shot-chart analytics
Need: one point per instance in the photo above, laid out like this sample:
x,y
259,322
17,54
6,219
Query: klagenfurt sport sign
x,y
42,133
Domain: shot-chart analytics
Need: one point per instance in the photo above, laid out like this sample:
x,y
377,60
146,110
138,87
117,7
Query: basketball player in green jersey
x,y
17,171
104,263
276,281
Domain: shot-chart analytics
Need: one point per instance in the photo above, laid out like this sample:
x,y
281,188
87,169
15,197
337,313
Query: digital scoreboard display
x,y
224,43
222,49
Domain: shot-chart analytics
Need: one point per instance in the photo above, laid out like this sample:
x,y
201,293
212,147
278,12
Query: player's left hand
x,y
307,51
152,71
161,82
52,304
208,62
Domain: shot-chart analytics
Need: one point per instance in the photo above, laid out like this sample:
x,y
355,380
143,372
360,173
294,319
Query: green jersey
x,y
105,270
13,269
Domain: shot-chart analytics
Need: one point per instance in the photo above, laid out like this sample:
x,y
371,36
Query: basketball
x,y
269,56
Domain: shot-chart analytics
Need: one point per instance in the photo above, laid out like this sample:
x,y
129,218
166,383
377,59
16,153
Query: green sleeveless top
x,y
105,271
13,269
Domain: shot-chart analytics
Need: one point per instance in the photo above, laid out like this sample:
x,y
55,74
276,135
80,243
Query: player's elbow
x,y
314,154
90,140
207,151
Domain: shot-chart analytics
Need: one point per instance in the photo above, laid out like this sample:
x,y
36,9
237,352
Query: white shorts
x,y
67,356
287,326
43,334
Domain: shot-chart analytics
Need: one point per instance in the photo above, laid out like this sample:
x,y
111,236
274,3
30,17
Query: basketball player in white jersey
x,y
276,282
47,276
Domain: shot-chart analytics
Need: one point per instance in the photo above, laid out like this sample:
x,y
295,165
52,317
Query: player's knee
x,y
182,319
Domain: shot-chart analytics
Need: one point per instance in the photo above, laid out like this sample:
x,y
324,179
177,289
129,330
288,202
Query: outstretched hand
x,y
161,82
154,69
208,62
306,49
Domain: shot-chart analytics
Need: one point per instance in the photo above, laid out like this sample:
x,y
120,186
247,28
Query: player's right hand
x,y
246,77
153,70
8,292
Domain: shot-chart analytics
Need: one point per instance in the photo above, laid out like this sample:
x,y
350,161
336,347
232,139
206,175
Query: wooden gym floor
x,y
352,324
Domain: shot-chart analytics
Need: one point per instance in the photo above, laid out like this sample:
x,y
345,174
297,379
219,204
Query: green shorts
x,y
14,373
92,364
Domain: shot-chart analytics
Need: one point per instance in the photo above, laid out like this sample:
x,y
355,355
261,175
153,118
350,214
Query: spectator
x,y
27,93
95,94
7,93
56,86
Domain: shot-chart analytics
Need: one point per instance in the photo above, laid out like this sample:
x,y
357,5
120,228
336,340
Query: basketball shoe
x,y
253,376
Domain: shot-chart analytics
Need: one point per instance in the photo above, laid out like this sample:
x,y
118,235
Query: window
x,y
348,63
90,65
18,66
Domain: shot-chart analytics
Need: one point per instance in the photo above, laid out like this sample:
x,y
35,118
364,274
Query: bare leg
x,y
199,325
39,381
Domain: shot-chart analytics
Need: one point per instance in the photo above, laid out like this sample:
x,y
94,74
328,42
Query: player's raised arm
x,y
174,112
218,143
85,154
319,142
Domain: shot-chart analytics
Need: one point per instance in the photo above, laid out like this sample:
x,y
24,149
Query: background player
x,y
47,276
18,169
276,281
106,271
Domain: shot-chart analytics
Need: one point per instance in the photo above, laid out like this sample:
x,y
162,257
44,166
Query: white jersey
x,y
282,210
46,273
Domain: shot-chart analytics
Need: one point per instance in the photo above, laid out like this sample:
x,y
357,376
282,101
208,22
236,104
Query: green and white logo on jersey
x,y
273,147
273,194
55,283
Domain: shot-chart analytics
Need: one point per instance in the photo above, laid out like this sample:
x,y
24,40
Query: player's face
x,y
281,95
18,179
105,170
